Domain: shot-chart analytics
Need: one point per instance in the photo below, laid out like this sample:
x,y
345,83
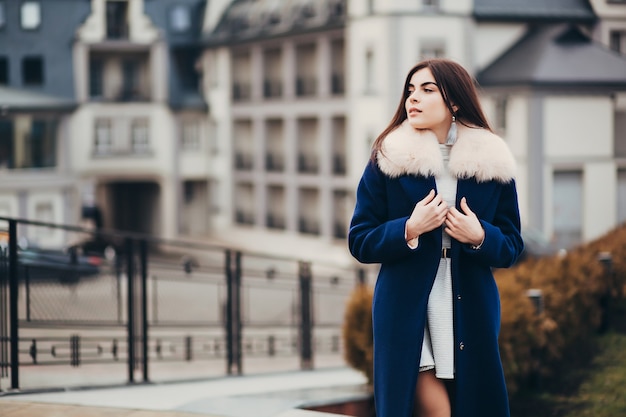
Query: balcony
x,y
272,88
116,76
309,226
306,87
244,161
307,164
244,217
339,164
340,230
274,162
241,91
275,221
338,84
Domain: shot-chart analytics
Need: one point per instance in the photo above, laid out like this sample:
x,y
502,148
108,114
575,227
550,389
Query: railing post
x,y
188,348
130,327
535,295
306,317
13,300
74,350
233,311
143,257
361,278
606,260
237,314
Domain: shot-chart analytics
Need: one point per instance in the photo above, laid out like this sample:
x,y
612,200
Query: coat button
x,y
461,346
458,297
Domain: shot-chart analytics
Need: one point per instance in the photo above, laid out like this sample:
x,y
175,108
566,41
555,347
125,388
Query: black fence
x,y
112,308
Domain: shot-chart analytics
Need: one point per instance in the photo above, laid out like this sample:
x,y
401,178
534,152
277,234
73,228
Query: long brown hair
x,y
457,88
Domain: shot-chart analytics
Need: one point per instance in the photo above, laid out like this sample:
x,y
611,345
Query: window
x,y
273,73
117,20
306,80
44,212
185,64
4,70
621,196
341,214
432,48
619,134
338,73
500,113
2,15
5,211
241,76
131,81
431,4
30,15
369,72
103,140
617,41
96,76
275,216
567,206
6,144
32,70
308,202
28,143
180,19
190,140
244,203
41,144
140,136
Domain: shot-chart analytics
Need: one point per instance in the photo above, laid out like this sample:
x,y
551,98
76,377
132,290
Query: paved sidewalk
x,y
266,395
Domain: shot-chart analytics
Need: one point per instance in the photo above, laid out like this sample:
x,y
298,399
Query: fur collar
x,y
477,153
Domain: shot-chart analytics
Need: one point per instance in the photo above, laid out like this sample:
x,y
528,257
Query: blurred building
x,y
102,113
249,122
37,101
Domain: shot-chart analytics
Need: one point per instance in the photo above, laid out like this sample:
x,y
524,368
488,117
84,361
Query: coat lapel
x,y
416,187
478,195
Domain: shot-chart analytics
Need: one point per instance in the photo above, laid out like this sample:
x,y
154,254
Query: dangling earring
x,y
451,138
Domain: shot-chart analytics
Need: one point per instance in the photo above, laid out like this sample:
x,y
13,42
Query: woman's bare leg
x,y
431,396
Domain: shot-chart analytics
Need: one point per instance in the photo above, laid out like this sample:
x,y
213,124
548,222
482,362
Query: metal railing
x,y
160,302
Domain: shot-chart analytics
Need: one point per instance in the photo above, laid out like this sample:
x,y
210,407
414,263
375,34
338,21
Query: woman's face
x,y
425,107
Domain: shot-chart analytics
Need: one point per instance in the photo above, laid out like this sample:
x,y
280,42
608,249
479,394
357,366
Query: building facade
x,y
249,122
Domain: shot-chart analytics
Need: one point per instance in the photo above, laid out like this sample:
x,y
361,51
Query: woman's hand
x,y
464,226
428,214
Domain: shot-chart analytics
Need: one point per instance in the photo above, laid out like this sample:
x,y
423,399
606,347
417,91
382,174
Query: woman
x,y
437,208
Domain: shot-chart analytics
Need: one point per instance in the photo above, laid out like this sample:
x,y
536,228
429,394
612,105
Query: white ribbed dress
x,y
438,346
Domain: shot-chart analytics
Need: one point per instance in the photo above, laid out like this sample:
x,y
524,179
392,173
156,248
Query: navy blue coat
x,y
385,201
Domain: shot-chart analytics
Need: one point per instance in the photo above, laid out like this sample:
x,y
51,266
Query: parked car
x,y
100,246
65,266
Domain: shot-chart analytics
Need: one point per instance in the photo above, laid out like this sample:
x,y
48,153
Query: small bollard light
x,y
606,260
270,273
536,297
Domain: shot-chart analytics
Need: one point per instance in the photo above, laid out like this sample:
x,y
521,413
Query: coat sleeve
x,y
503,241
373,237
